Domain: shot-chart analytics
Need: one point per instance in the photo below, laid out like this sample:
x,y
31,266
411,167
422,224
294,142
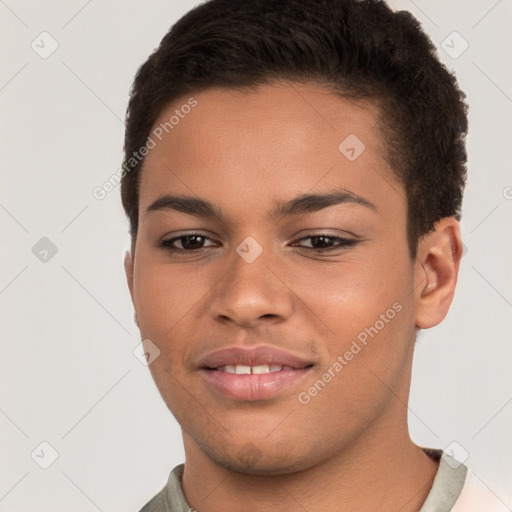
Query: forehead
x,y
273,141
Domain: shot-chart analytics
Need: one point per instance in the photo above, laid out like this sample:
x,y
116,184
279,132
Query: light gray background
x,y
68,373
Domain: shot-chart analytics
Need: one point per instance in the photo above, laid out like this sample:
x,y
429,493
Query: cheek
x,y
169,301
365,372
163,298
369,313
163,295
349,296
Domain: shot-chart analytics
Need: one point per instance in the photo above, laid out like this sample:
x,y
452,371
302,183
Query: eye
x,y
189,242
324,242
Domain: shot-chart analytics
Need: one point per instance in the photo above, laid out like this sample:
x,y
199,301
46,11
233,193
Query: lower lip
x,y
254,386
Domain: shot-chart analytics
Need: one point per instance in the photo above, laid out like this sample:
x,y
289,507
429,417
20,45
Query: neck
x,y
384,470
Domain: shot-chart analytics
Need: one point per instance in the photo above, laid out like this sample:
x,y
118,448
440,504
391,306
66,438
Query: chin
x,y
248,459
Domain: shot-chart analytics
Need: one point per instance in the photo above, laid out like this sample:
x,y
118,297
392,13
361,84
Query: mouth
x,y
252,383
251,374
260,369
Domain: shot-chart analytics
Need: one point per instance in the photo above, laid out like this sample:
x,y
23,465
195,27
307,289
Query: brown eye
x,y
189,242
328,242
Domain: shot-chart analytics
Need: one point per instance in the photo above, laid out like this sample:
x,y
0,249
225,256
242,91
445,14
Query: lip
x,y
252,387
253,356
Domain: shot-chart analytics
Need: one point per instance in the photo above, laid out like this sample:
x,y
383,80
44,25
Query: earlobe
x,y
436,271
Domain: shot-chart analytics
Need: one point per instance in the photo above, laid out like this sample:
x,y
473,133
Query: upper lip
x,y
252,356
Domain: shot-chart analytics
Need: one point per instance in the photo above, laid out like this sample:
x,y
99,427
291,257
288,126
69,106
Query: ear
x,y
128,270
436,270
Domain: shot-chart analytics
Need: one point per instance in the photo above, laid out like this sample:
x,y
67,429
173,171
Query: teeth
x,y
241,369
262,368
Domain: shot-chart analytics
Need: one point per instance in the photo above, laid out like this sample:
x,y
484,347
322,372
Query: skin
x,y
349,447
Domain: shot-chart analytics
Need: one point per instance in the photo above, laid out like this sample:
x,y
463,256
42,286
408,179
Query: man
x,y
293,178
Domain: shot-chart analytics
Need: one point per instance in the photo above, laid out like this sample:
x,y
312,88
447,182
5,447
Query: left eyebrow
x,y
310,203
300,205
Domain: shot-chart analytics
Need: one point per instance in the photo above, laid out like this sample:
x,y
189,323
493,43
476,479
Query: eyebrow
x,y
300,205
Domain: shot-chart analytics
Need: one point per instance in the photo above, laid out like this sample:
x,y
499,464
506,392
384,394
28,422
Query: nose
x,y
250,294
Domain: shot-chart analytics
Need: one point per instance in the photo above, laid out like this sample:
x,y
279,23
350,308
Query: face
x,y
272,271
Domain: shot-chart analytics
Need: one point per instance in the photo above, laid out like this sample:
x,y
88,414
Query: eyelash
x,y
166,245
